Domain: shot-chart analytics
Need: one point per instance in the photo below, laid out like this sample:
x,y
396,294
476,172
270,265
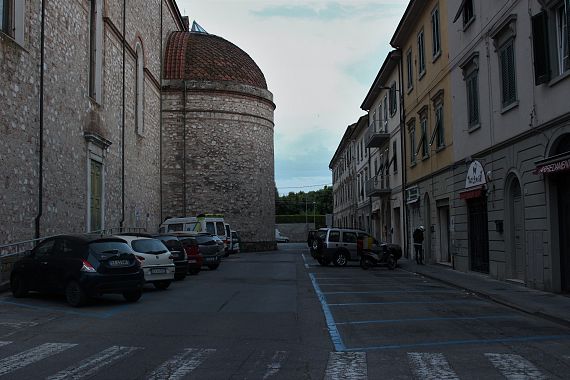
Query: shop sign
x,y
475,175
553,167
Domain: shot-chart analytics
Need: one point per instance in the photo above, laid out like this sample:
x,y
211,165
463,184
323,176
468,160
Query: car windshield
x,y
151,246
171,243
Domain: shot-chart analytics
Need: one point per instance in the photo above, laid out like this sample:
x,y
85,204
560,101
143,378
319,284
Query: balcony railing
x,y
378,186
378,135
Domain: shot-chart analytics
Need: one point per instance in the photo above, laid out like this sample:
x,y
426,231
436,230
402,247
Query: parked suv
x,y
338,245
80,266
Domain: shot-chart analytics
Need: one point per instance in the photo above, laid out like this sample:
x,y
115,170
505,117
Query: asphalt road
x,y
279,315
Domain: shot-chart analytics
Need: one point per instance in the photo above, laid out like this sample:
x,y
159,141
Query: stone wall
x,y
69,112
229,156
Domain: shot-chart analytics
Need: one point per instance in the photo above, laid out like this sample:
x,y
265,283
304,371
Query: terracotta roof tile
x,y
201,56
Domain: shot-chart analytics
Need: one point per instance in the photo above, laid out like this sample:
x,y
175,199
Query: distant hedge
x,y
320,220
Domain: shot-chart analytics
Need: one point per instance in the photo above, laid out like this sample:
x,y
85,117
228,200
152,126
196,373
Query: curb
x,y
539,314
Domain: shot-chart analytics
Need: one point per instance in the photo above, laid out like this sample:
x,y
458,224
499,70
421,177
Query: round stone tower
x,y
217,140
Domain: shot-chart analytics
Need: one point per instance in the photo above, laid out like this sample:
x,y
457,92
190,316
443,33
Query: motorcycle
x,y
387,255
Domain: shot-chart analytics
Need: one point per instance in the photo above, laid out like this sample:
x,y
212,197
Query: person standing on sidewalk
x,y
418,244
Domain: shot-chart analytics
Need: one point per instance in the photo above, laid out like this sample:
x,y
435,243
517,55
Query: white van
x,y
211,223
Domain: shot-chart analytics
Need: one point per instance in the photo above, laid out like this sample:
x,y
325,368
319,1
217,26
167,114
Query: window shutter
x,y
540,48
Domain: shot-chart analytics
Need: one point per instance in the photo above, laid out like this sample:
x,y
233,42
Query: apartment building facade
x,y
363,201
421,37
384,144
343,167
511,118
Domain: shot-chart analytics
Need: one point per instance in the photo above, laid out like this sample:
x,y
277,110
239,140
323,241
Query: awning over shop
x,y
472,193
554,164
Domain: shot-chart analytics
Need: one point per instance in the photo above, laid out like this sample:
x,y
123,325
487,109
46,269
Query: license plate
x,y
158,270
116,263
211,259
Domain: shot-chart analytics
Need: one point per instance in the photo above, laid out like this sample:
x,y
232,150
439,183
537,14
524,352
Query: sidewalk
x,y
546,305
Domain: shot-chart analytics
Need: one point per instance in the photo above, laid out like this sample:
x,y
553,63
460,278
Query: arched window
x,y
139,105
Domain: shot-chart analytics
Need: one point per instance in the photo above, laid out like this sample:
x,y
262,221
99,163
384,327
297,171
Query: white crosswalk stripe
x,y
275,365
94,363
4,343
182,364
431,366
515,367
347,366
23,359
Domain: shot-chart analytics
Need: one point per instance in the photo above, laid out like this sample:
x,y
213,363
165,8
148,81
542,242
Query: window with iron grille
x,y
508,73
385,109
435,33
410,67
421,54
472,86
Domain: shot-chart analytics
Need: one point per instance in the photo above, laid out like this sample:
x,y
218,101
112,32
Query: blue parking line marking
x,y
114,311
397,291
402,302
462,342
428,319
305,260
333,330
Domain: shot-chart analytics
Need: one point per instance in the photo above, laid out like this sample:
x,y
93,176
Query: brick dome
x,y
201,56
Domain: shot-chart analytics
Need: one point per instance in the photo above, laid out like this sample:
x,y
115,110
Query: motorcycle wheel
x,y
364,264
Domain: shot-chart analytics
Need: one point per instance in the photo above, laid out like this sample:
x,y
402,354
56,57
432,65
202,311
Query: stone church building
x,y
115,115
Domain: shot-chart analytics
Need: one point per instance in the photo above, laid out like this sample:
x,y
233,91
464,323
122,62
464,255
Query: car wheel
x,y
213,266
74,294
179,277
341,259
18,286
364,264
162,285
132,296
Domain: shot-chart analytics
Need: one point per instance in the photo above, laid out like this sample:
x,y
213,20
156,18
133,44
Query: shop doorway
x,y
443,218
564,229
428,231
516,231
478,234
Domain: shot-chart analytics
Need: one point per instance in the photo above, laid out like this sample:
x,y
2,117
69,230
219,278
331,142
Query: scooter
x,y
388,255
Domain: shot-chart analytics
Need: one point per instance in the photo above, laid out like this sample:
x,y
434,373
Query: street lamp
x,y
314,224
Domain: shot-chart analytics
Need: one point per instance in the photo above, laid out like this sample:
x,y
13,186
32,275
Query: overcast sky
x,y
319,59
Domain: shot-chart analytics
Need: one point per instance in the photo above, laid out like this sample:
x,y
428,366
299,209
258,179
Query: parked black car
x,y
177,250
80,266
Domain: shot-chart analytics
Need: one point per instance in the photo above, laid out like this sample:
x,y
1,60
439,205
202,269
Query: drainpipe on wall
x,y
41,132
184,150
122,223
160,121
